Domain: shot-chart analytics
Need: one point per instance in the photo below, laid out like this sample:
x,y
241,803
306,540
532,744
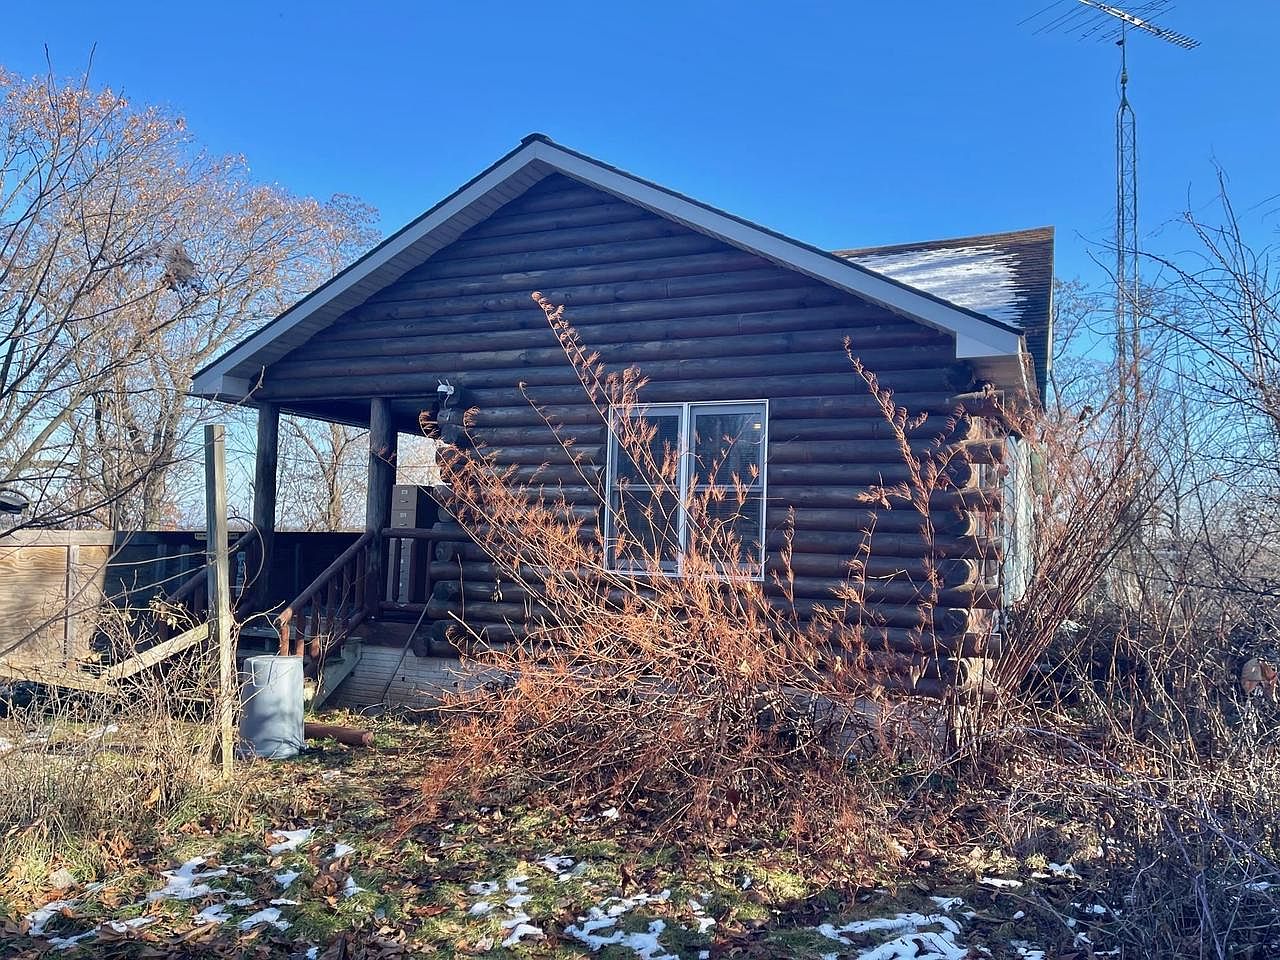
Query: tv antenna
x,y
1093,20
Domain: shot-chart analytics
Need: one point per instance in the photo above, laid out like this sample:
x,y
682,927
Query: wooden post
x,y
377,515
215,502
264,500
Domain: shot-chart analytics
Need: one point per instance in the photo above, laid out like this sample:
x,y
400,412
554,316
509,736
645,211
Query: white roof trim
x,y
226,378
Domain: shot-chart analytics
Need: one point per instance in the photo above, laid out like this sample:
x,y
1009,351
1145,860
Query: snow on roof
x,y
1005,276
981,277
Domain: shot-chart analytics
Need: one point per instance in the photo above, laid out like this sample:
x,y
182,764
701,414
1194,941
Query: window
x,y
712,452
1017,522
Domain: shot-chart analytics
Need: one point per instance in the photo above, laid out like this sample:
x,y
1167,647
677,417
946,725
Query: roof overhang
x,y
994,348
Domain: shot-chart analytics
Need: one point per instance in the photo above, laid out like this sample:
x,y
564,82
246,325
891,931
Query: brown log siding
x,y
704,322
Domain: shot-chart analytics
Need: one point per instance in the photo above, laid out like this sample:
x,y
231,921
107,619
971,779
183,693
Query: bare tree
x,y
128,259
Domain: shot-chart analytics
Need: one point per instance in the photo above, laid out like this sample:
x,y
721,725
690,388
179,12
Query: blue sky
x,y
842,124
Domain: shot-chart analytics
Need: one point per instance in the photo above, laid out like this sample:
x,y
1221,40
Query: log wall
x,y
704,321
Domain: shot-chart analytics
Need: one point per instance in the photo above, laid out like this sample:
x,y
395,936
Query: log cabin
x,y
729,321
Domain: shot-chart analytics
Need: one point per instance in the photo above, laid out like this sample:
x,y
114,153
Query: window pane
x,y
653,436
727,530
728,443
645,529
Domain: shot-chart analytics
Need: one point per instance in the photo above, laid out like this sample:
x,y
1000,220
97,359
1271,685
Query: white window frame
x,y
1018,523
686,411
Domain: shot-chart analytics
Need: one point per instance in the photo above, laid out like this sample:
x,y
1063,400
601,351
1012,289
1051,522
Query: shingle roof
x,y
1005,276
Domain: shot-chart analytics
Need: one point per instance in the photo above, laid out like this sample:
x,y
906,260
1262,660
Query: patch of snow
x,y
946,904
123,926
1259,886
645,945
517,901
39,918
999,883
556,865
902,923
483,887
100,732
704,922
480,908
269,915
341,850
745,882
917,946
291,841
283,902
1027,951
982,277
66,943
610,814
520,930
312,953
517,884
214,914
350,888
286,877
242,902
183,883
330,774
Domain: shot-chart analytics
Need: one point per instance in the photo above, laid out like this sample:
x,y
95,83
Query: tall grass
x,y
85,777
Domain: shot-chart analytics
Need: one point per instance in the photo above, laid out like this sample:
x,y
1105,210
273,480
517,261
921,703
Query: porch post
x,y
377,514
266,456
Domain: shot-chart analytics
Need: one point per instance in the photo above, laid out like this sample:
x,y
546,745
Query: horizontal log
x,y
438,268
869,326
957,561
904,520
795,296
729,388
803,474
879,451
782,429
854,496
747,387
651,227
882,544
486,581
576,410
720,261
549,453
584,434
474,371
583,298
563,218
554,193
447,353
875,620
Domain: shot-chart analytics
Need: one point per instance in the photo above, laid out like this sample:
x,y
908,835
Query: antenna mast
x,y
1092,19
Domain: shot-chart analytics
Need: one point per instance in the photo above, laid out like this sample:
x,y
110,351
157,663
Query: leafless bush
x,y
86,775
693,696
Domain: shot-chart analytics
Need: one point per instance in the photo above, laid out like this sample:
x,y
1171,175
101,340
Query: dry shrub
x,y
86,776
1133,748
692,697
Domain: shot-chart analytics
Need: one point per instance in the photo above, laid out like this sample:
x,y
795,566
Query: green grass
x,y
417,879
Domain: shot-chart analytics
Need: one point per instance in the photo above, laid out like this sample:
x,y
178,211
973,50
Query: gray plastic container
x,y
271,707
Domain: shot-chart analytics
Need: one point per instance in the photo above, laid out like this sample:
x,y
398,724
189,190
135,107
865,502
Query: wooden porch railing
x,y
193,595
323,615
